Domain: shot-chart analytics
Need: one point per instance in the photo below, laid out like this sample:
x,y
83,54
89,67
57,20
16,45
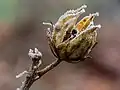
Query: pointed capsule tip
x,y
82,11
99,26
97,13
78,13
84,6
94,14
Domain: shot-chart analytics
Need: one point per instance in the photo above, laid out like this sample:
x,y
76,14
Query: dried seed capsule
x,y
73,42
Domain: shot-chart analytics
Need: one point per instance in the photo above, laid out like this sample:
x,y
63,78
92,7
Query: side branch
x,y
49,67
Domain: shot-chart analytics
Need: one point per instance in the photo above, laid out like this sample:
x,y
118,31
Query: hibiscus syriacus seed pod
x,y
70,40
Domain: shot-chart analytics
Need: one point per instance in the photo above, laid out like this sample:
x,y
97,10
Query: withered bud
x,y
35,55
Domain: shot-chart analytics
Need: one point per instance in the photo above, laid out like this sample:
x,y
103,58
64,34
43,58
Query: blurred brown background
x,y
21,29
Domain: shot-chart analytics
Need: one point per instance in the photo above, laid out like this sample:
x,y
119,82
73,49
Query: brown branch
x,y
34,73
48,68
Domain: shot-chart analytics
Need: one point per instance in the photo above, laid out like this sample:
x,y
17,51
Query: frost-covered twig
x,y
34,72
